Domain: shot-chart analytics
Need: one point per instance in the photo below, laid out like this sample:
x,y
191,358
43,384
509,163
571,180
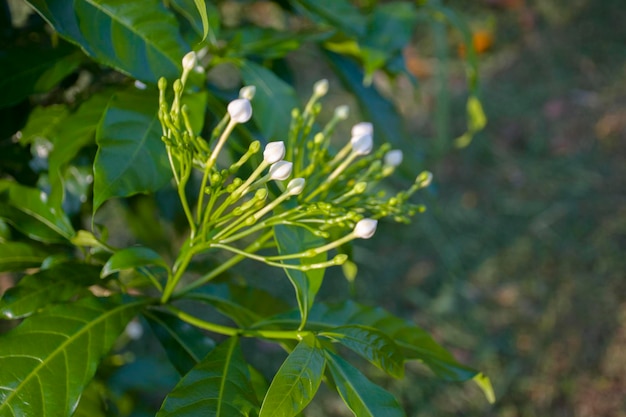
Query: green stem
x,y
202,324
181,267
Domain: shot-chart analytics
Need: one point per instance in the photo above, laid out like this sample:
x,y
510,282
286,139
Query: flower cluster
x,y
324,192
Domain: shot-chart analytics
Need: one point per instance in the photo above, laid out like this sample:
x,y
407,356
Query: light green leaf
x,y
291,239
218,386
42,123
46,362
273,101
203,17
138,38
184,344
363,397
131,157
372,344
16,256
296,382
130,258
58,283
201,6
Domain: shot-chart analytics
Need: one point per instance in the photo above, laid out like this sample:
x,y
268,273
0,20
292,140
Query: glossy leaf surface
x,y
296,382
131,157
46,362
184,344
362,396
138,38
58,283
218,386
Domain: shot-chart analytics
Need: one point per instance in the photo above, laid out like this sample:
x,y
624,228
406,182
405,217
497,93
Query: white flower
x,y
362,145
365,228
320,88
393,158
274,152
190,61
247,92
240,110
281,170
342,112
361,129
295,186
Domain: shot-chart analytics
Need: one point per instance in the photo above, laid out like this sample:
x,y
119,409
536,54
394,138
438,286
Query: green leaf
x,y
371,344
291,239
46,362
363,397
93,401
131,157
184,344
42,123
269,43
339,14
205,23
33,69
33,203
16,256
201,6
273,101
138,38
58,283
296,382
130,258
387,122
218,386
245,305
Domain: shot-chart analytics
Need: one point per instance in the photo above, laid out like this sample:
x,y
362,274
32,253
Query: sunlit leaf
x,y
203,17
218,386
296,382
46,362
363,397
131,157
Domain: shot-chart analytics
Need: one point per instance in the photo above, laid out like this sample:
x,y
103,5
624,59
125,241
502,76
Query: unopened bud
x,y
240,110
254,146
361,129
424,179
362,145
320,88
274,152
281,170
359,187
295,186
247,92
342,112
261,194
365,228
393,158
189,61
162,84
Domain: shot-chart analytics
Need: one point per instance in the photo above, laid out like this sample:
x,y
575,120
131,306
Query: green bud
x,y
340,258
162,84
215,178
178,86
254,146
260,194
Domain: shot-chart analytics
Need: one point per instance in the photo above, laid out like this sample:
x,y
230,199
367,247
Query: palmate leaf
x,y
291,239
47,361
58,283
296,382
218,386
362,396
131,157
138,38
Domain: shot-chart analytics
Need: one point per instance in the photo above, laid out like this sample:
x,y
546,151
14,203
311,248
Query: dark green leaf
x,y
61,282
131,157
296,382
16,256
372,344
92,401
291,239
46,362
375,108
206,22
339,14
363,397
219,386
269,43
273,101
138,38
131,258
184,344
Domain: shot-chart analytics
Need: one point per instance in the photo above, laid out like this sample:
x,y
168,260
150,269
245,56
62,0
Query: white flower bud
x,y
365,228
363,128
424,179
320,88
247,92
240,110
362,145
281,170
393,158
139,85
342,112
295,186
190,61
274,152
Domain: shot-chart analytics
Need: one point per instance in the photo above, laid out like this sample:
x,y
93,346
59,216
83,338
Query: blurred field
x,y
518,265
